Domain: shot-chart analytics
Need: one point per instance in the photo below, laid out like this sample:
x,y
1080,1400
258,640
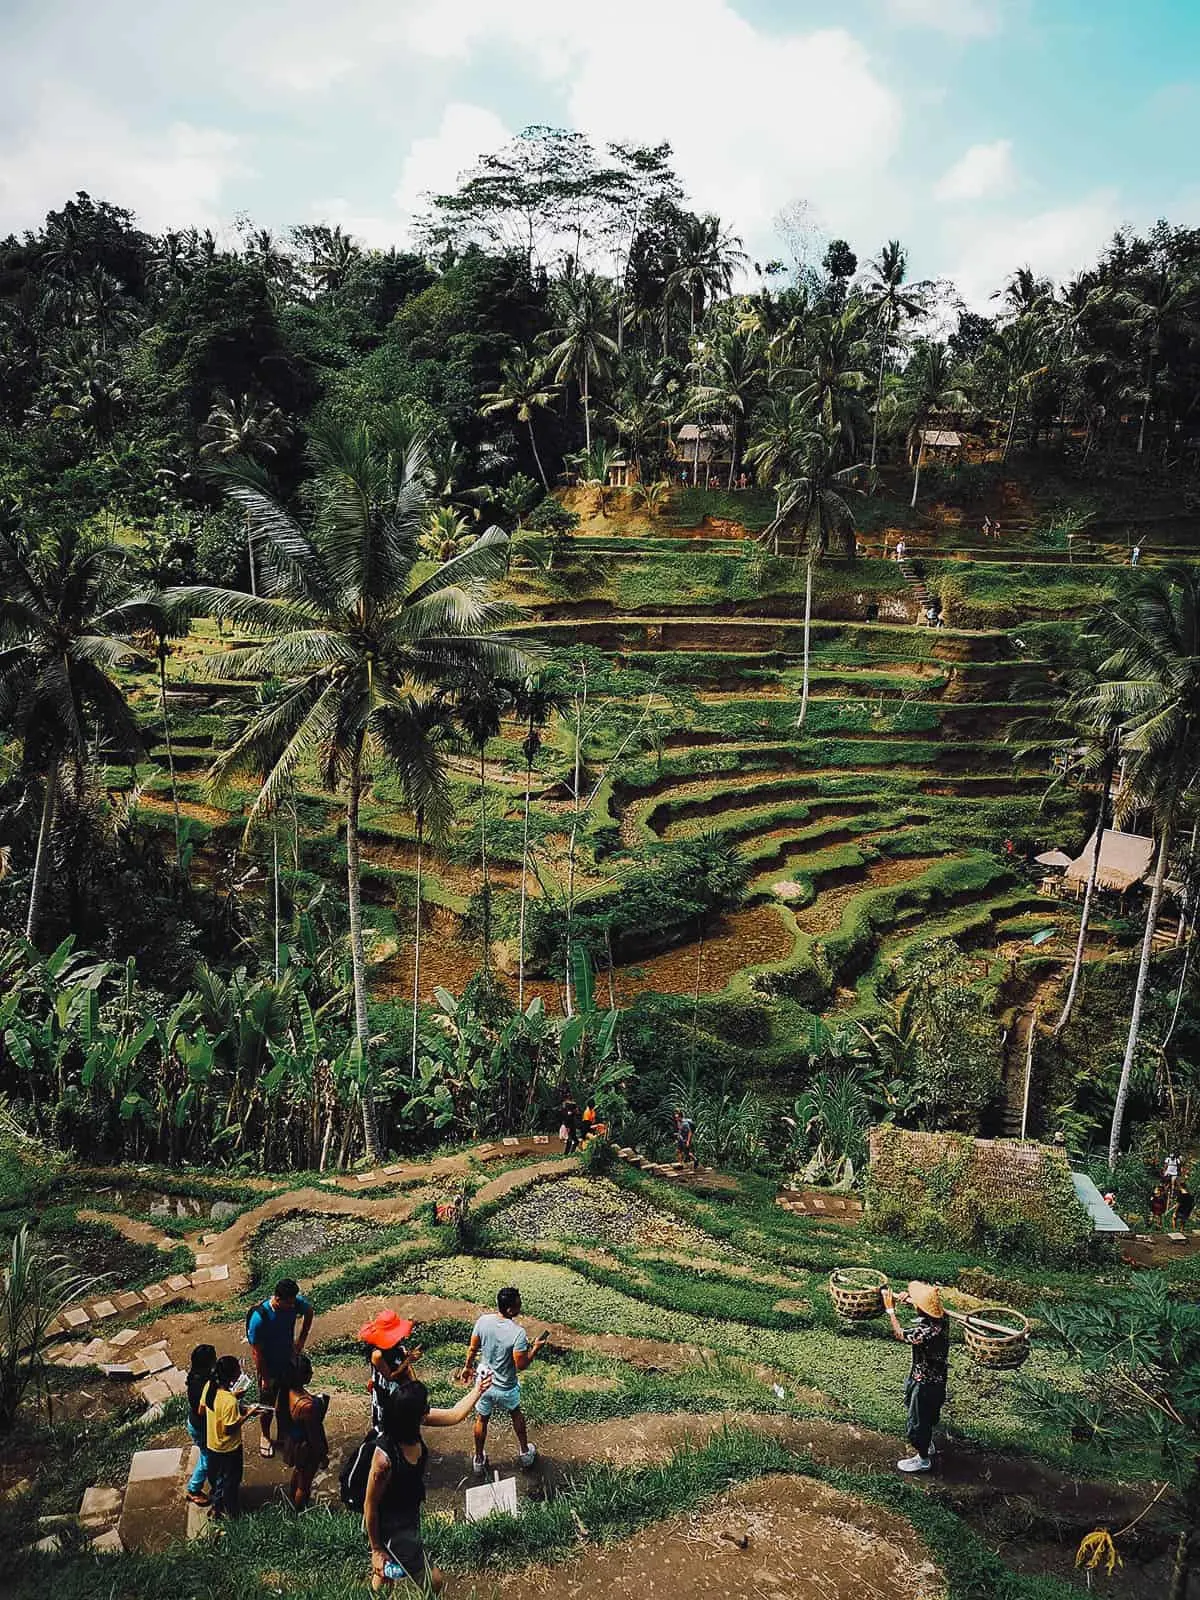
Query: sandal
x,y
266,1449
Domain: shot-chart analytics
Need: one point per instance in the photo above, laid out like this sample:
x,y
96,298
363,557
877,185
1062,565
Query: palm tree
x,y
1022,349
523,390
1151,684
581,349
432,719
534,704
481,700
1162,301
729,378
832,377
891,300
63,632
445,533
248,427
357,643
781,429
930,384
706,260
812,500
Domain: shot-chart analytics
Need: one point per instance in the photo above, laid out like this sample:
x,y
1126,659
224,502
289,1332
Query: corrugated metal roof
x,y
1104,1218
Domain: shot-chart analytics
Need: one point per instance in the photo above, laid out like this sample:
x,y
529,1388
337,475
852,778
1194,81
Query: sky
x,y
985,134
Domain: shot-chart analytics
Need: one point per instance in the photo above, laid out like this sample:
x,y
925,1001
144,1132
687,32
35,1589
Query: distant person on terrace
x,y
925,1390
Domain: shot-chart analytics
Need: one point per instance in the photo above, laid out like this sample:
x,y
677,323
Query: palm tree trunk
x,y
1146,402
487,887
524,892
1012,425
587,413
250,556
166,719
358,960
41,860
417,944
917,472
580,702
538,459
275,874
1085,919
878,401
808,587
1139,996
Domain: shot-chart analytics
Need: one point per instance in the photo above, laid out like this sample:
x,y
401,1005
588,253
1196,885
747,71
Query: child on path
x,y
301,1420
1185,1201
569,1130
685,1141
925,1390
271,1334
396,1485
204,1358
502,1350
224,1415
1158,1205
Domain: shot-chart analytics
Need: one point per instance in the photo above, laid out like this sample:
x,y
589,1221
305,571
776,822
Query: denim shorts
x,y
496,1399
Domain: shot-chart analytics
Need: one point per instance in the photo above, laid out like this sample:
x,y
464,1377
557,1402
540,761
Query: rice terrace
x,y
598,821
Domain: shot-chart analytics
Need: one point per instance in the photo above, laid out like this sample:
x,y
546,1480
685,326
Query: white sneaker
x,y
481,1464
915,1464
528,1457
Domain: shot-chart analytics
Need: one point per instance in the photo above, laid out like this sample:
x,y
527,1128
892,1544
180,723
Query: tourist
x,y
225,1413
1185,1201
389,1356
1135,555
502,1349
568,1130
1172,1167
1158,1204
271,1334
589,1119
301,1421
925,1390
987,527
901,547
685,1141
204,1358
396,1485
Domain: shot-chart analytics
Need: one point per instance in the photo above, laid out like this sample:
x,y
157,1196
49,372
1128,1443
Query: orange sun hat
x,y
386,1330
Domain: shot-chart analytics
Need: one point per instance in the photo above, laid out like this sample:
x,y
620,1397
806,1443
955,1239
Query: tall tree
x,y
892,301
1151,684
523,391
580,347
356,640
729,378
244,426
63,634
1160,301
534,703
931,384
707,258
481,700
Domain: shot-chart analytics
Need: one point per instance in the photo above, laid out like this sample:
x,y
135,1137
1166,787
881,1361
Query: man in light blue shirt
x,y
500,1346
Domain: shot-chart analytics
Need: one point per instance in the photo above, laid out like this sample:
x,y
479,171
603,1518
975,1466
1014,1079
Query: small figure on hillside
x,y
901,547
501,1347
301,1421
1185,1201
1158,1204
1135,555
1110,1198
395,1488
225,1414
925,1389
589,1119
390,1357
271,1334
1172,1167
987,527
568,1130
204,1359
685,1141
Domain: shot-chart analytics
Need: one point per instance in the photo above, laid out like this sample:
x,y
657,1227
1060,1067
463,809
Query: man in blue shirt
x,y
501,1347
271,1334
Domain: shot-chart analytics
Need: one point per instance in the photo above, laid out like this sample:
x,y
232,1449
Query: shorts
x,y
497,1399
403,1545
268,1389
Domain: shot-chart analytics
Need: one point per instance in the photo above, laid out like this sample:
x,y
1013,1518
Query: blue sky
x,y
984,133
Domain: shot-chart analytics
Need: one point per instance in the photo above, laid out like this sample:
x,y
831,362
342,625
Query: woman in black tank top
x,y
396,1485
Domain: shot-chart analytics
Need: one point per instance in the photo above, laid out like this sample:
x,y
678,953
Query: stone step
x,y
154,1512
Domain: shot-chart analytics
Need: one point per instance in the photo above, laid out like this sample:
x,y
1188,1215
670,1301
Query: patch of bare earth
x,y
777,1539
827,910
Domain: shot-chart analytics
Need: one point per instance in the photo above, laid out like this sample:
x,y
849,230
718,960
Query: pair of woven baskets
x,y
996,1336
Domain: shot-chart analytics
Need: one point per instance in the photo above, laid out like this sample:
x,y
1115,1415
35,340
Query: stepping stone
x,y
219,1274
100,1504
97,1350
151,1361
541,1138
199,1523
167,1245
175,1380
328,1183
103,1309
108,1544
365,1177
76,1317
817,1205
127,1301
155,1392
1179,1238
203,1259
179,1282
397,1166
122,1374
202,1275
155,1464
211,1238
510,1142
154,1293
49,1546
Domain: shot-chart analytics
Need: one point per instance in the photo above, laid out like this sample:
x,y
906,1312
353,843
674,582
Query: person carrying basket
x,y
925,1389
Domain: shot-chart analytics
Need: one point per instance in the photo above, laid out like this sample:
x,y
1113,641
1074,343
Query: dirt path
x,y
803,1539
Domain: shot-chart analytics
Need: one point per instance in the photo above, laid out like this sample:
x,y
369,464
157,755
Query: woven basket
x,y
856,1292
997,1350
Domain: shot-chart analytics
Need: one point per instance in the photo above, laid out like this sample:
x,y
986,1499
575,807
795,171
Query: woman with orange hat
x,y
925,1390
390,1357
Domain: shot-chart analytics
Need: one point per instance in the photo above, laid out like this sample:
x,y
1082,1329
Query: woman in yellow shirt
x,y
224,1415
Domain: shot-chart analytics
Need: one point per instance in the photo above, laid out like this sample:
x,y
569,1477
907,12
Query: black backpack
x,y
262,1305
352,1480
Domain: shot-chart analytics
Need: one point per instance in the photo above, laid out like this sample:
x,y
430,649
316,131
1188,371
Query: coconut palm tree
x,y
729,378
782,426
580,348
523,391
706,260
1022,349
63,633
1161,301
930,385
433,721
245,426
891,301
1151,684
812,500
481,700
832,377
356,642
534,703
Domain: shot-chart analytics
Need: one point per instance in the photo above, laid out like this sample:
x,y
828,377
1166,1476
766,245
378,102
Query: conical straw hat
x,y
927,1297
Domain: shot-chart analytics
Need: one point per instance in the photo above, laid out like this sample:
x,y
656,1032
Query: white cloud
x,y
172,178
983,170
434,163
1055,243
967,19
